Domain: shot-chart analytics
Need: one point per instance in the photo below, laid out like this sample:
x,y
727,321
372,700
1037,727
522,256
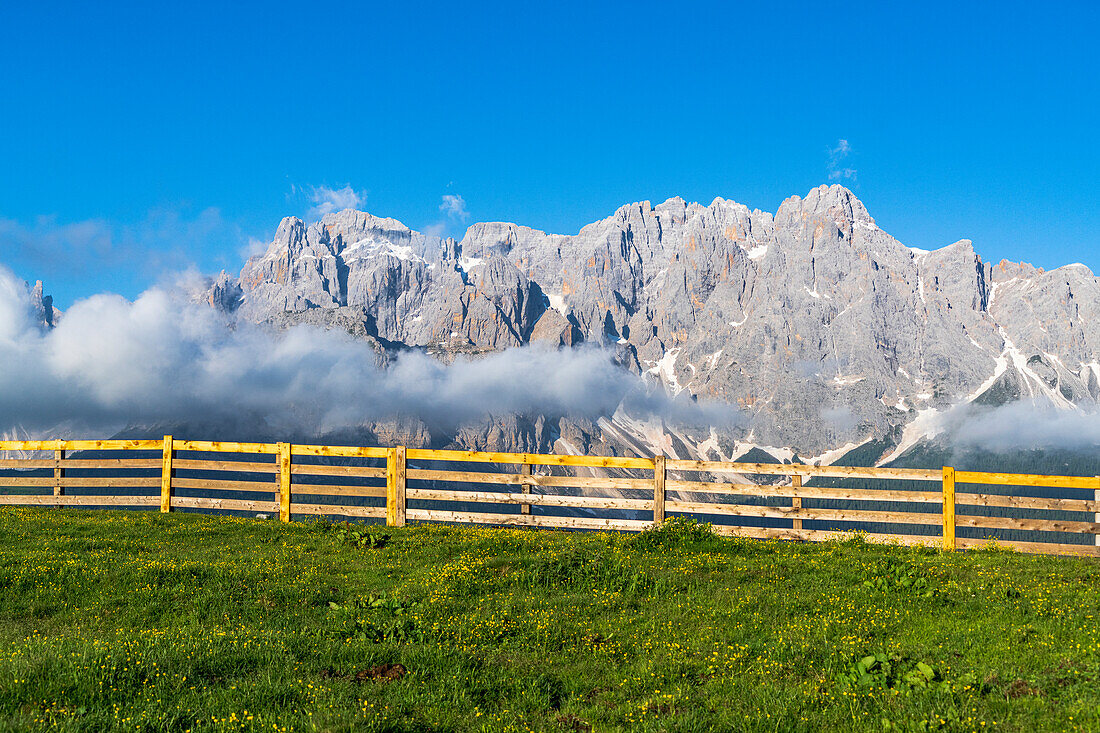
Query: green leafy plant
x,y
674,532
888,672
363,539
901,577
894,672
379,619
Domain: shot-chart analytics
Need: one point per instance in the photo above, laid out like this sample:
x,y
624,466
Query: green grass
x,y
142,621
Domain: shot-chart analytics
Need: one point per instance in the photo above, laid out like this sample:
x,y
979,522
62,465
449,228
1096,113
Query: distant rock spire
x,y
44,312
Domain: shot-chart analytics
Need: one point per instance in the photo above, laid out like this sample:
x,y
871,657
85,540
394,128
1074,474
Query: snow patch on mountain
x,y
830,457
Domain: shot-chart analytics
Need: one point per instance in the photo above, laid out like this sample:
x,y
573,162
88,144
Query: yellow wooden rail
x,y
678,492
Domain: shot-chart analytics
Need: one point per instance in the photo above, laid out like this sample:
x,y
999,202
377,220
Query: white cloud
x,y
840,417
842,148
157,360
1023,425
454,206
167,239
326,200
252,248
436,229
837,154
49,241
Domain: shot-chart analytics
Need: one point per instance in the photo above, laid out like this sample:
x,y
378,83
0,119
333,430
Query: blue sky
x,y
138,140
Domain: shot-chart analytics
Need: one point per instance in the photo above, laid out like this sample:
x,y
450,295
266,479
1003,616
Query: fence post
x,y
58,471
166,476
395,486
284,482
659,475
948,508
1096,518
796,501
525,471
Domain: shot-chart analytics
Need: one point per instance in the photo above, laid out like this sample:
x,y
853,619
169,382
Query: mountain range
x,y
823,334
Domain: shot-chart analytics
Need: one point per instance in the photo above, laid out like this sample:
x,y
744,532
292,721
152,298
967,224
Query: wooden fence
x,y
1031,513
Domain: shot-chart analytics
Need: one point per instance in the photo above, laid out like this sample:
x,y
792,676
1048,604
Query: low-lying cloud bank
x,y
157,360
1023,425
160,361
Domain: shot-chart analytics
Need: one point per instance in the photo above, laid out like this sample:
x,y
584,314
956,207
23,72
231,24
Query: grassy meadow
x,y
149,622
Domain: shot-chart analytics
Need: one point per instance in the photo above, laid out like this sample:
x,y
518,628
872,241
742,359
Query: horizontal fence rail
x,y
953,509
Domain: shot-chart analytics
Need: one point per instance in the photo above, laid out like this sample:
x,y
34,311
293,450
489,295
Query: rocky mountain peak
x,y
497,237
833,203
674,207
1076,271
1005,270
224,294
44,312
816,325
352,220
291,232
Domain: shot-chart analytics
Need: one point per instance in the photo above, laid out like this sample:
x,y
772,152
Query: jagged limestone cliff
x,y
819,327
